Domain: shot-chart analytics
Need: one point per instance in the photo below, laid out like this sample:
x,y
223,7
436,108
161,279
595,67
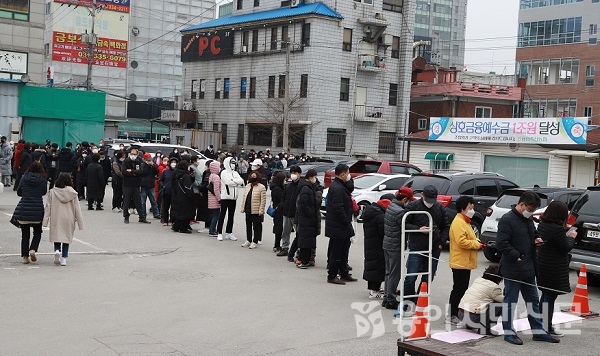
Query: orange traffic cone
x,y
581,303
419,327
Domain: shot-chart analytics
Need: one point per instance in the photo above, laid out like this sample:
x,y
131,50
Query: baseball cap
x,y
147,156
257,162
405,192
429,194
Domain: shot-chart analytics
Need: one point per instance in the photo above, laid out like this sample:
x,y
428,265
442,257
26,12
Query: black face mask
x,y
252,180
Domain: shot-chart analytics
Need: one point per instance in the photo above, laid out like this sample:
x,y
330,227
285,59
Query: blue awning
x,y
439,156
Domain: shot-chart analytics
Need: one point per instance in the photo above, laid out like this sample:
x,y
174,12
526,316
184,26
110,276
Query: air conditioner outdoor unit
x,y
187,105
15,127
379,16
294,3
244,48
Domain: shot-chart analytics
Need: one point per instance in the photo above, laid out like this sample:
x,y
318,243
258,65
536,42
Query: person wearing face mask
x,y
288,206
81,177
419,241
163,164
257,165
242,168
464,245
253,206
308,221
106,165
517,240
165,184
230,181
117,182
132,182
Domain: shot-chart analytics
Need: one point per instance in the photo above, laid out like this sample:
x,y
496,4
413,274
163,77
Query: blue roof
x,y
316,8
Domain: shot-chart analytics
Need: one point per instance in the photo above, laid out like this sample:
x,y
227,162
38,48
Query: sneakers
x,y
231,237
144,221
126,220
311,263
276,249
283,252
335,280
302,266
260,242
348,278
132,212
99,208
219,237
90,207
545,338
253,246
63,261
116,210
375,294
212,234
203,231
246,244
56,257
32,255
453,320
555,332
513,339
25,260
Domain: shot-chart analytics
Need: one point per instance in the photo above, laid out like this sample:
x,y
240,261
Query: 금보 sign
x,y
543,130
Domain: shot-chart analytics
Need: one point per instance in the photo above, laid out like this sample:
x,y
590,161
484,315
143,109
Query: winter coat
x,y
480,295
106,168
393,227
319,196
17,157
149,173
515,239
52,160
133,178
39,155
81,171
373,224
62,212
339,211
25,161
5,158
214,199
288,201
182,203
197,181
463,244
259,199
418,241
30,209
65,160
165,181
117,176
307,209
243,167
95,181
553,258
230,181
276,196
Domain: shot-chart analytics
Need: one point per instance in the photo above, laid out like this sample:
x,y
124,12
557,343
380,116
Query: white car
x,y
507,200
368,188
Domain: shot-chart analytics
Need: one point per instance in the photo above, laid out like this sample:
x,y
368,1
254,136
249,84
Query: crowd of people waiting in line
x,y
184,189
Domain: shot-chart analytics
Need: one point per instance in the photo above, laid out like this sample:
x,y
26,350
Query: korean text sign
x,y
556,130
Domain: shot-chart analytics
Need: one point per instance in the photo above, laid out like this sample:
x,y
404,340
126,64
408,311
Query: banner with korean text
x,y
556,130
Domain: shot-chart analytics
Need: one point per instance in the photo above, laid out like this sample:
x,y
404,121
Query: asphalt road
x,y
143,290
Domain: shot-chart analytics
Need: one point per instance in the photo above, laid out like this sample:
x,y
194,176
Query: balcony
x,y
371,63
377,20
369,113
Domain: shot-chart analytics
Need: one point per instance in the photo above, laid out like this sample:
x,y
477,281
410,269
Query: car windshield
x,y
508,200
587,204
366,181
417,183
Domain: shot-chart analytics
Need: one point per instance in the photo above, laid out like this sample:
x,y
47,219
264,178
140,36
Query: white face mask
x,y
132,157
94,151
84,155
254,168
313,180
470,213
294,177
428,205
527,214
348,177
173,165
232,166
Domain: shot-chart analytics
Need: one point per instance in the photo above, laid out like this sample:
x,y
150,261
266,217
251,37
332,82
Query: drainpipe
x,y
405,71
354,94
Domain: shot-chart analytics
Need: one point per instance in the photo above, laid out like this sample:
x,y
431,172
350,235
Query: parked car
x,y
360,167
508,199
368,188
484,187
119,141
320,167
165,149
585,216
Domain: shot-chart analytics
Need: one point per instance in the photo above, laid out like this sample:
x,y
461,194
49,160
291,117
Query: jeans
x,y
214,214
149,192
337,257
253,222
460,278
547,308
419,264
129,194
529,292
392,274
25,234
285,235
65,249
227,207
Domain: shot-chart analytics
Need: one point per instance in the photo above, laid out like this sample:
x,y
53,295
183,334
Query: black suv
x,y
585,216
483,187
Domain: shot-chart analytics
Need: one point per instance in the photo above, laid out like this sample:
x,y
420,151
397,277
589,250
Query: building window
x,y
21,10
587,111
286,3
393,94
439,165
370,2
422,124
284,37
345,89
254,40
336,140
202,87
593,29
483,112
239,4
304,85
296,136
274,38
455,50
240,134
550,32
243,89
550,107
217,88
245,36
223,134
392,5
347,43
47,46
271,91
590,71
256,3
395,47
282,86
592,40
387,142
226,88
589,82
252,87
194,88
530,4
48,8
306,35
260,135
538,72
215,127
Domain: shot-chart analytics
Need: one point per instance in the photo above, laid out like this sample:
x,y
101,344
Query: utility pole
x,y
286,104
91,40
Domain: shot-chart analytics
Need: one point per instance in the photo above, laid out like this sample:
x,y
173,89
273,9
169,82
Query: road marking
x,y
87,244
52,253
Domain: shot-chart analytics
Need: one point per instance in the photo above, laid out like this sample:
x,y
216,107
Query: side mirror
x,y
382,187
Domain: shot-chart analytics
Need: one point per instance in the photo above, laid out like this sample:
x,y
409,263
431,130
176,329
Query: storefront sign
x,y
560,130
112,5
207,46
13,62
67,47
169,115
21,6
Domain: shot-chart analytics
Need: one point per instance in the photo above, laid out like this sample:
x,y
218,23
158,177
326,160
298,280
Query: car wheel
x,y
361,207
492,254
476,226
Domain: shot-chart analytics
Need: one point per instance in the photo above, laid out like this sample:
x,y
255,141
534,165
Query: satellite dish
x,y
133,97
25,78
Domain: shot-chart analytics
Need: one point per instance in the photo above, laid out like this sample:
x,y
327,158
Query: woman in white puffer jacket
x,y
230,181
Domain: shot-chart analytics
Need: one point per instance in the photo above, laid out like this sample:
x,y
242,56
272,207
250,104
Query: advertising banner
x,y
21,6
67,47
201,47
13,62
112,5
556,130
109,24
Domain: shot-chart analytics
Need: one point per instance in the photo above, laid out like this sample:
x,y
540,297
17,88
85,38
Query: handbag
x,y
271,211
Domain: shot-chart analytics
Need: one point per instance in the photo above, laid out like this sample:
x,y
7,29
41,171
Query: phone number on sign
x,y
103,56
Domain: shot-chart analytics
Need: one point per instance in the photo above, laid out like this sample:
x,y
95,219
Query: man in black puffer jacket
x,y
338,226
392,245
288,207
419,241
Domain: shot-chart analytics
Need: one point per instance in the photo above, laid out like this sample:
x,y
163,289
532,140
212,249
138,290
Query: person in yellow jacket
x,y
463,253
253,205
